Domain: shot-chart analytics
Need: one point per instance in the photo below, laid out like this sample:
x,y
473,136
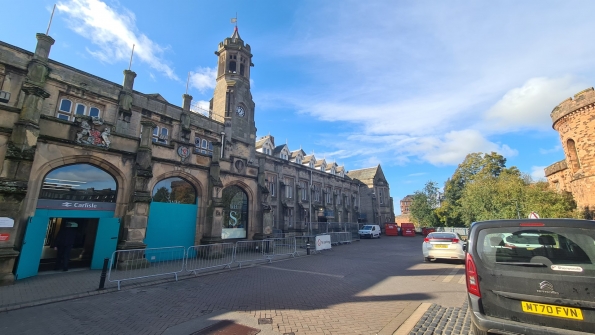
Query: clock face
x,y
240,111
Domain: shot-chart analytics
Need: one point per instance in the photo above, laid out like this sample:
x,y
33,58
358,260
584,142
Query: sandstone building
x,y
574,120
134,170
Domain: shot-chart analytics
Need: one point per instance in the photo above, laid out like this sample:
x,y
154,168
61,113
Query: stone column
x,y
265,226
134,223
214,218
185,118
17,164
125,102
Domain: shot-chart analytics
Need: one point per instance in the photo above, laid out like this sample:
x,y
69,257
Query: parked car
x,y
370,231
443,246
518,286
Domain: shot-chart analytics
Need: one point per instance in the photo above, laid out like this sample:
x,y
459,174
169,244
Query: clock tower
x,y
232,102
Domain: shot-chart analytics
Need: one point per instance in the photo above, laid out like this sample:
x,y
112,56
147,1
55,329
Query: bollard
x,y
103,274
307,248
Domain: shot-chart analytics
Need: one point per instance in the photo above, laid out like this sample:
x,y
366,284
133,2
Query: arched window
x,y
235,213
573,155
174,190
79,182
232,67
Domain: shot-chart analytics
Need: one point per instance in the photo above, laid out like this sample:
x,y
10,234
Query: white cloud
x,y
538,173
436,82
203,79
529,106
417,174
114,33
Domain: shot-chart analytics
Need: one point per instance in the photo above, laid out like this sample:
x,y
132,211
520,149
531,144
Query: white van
x,y
370,231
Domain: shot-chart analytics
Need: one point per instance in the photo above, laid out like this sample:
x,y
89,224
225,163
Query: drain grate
x,y
265,321
227,327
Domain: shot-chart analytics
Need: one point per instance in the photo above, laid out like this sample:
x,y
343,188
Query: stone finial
x,y
128,80
44,44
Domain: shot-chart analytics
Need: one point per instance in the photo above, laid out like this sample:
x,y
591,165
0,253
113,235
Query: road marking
x,y
302,271
451,275
463,280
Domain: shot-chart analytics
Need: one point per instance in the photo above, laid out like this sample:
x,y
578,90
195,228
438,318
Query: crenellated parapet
x,y
581,100
556,167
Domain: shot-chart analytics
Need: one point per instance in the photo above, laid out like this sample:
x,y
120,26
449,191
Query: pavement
x,y
368,287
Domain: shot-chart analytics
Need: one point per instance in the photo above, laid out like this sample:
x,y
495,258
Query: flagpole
x,y
52,16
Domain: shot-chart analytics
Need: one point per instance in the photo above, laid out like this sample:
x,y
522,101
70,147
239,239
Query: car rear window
x,y
442,235
571,250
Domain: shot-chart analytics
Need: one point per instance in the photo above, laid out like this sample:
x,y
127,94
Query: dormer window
x,y
311,165
298,160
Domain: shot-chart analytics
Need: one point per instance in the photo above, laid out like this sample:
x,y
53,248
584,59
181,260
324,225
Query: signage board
x,y
4,237
323,242
533,215
76,205
6,222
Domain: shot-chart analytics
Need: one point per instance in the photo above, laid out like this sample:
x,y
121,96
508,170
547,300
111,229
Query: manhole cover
x,y
227,327
265,321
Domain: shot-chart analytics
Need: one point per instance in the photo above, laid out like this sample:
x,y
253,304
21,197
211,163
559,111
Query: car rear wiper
x,y
522,264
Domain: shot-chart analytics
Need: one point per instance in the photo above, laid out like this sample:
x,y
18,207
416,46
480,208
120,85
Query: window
x,y
311,164
242,69
288,188
160,135
322,167
328,195
339,196
232,67
298,160
304,186
80,109
203,146
272,181
66,112
317,193
380,196
575,162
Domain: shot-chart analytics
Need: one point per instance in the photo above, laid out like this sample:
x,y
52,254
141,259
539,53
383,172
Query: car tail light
x,y
455,240
471,273
426,240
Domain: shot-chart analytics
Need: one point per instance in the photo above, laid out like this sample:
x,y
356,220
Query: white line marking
x,y
463,280
451,274
301,271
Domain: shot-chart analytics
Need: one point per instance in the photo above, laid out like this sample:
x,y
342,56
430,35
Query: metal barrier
x,y
145,263
301,244
252,251
283,246
340,237
200,257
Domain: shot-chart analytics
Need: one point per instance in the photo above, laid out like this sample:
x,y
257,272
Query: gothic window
x,y
160,135
79,182
380,196
203,146
232,67
66,112
241,69
573,155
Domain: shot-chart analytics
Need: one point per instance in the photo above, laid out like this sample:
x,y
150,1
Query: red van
x,y
407,229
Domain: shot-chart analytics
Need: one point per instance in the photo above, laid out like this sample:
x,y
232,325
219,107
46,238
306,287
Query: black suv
x,y
531,276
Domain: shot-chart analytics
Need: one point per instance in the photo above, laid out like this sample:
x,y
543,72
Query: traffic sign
x,y
533,215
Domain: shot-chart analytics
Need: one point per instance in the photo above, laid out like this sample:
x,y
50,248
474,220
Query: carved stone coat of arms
x,y
93,132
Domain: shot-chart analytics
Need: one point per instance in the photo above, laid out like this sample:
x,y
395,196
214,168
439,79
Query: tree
x,y
424,204
162,195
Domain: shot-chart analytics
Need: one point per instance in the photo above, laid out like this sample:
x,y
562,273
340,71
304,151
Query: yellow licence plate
x,y
440,246
552,310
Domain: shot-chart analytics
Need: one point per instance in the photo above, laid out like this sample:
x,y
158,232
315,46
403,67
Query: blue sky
x,y
411,85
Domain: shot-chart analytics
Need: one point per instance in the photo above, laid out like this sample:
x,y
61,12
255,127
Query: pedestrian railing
x,y
145,263
282,246
253,251
151,262
201,257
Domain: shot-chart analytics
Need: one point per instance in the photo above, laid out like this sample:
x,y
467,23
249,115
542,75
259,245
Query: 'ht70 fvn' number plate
x,y
552,310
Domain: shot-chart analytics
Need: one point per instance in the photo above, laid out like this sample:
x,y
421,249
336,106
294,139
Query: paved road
x,y
368,287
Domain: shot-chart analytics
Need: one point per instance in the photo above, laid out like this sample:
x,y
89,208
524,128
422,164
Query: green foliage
x,y
424,204
162,195
482,188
